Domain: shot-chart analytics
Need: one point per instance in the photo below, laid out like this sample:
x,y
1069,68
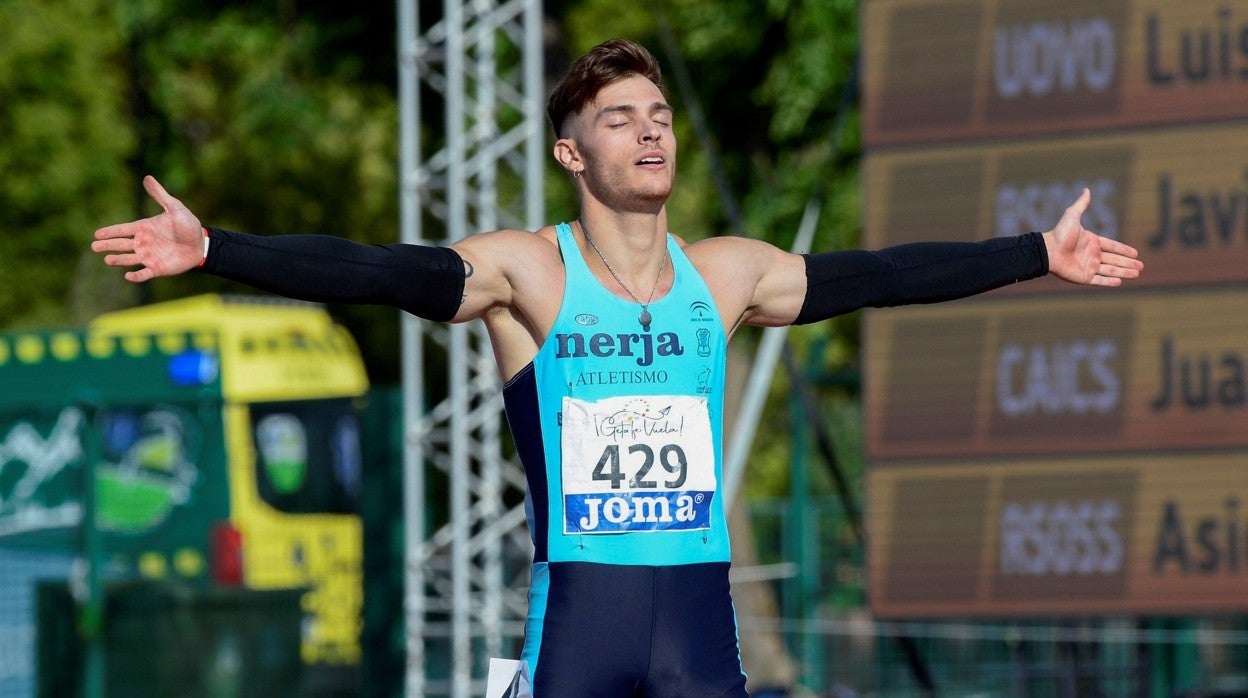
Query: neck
x,y
633,243
622,255
640,281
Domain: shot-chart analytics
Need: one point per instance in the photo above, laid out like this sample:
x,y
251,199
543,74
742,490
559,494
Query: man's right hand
x,y
166,244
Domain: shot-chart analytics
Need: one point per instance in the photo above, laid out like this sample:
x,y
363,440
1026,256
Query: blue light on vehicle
x,y
193,367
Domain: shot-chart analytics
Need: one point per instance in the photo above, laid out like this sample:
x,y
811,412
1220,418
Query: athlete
x,y
610,335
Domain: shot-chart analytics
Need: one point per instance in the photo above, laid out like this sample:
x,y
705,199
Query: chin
x,y
652,202
656,191
642,197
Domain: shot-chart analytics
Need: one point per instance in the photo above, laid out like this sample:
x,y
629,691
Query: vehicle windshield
x,y
308,455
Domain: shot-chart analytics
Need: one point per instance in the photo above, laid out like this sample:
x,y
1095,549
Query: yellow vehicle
x,y
221,435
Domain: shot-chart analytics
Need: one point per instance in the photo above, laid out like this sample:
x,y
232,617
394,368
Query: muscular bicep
x,y
780,290
501,268
754,283
485,278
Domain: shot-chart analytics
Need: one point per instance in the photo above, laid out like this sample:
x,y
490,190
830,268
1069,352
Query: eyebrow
x,y
630,109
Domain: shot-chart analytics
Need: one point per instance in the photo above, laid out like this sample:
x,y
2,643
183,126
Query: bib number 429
x,y
637,463
671,458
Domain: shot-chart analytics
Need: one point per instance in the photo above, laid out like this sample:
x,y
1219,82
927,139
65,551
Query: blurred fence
x,y
162,639
20,572
152,638
845,652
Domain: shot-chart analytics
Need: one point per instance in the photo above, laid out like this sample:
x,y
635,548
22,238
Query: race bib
x,y
637,464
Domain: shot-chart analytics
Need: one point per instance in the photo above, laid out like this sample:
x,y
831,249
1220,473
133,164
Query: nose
x,y
650,132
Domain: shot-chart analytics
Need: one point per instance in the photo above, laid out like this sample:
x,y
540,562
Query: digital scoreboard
x,y
1050,449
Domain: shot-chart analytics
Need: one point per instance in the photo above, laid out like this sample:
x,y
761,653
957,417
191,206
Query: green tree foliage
x,y
63,146
257,131
240,112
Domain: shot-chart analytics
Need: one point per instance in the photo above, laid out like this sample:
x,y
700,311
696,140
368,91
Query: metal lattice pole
x,y
459,600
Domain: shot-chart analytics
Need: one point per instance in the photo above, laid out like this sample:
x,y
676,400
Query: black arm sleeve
x,y
921,272
425,281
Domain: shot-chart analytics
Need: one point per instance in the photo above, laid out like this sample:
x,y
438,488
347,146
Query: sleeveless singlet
x,y
619,429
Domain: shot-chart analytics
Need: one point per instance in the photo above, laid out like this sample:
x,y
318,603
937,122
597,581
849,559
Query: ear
x,y
568,155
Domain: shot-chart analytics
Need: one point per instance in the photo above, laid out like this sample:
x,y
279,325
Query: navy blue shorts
x,y
639,631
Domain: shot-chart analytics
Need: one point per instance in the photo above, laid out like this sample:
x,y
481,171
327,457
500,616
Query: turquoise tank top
x,y
631,424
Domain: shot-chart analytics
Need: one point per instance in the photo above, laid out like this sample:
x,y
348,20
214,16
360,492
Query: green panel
x,y
72,366
382,637
153,406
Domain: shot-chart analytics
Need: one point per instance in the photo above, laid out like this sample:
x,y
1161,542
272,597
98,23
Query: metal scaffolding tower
x,y
476,67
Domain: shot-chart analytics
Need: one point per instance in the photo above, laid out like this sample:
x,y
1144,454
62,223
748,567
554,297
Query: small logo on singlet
x,y
638,511
704,381
586,319
700,311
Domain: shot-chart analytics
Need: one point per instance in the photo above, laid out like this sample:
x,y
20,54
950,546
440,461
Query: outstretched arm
x,y
425,281
809,288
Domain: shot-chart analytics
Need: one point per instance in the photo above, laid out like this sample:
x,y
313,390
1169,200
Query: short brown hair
x,y
605,64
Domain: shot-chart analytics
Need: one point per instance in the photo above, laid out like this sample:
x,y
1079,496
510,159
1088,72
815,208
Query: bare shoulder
x,y
734,255
510,240
509,251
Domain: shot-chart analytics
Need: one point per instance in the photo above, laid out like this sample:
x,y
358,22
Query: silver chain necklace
x,y
644,318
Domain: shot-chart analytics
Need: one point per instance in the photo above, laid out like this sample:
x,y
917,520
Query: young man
x,y
610,334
